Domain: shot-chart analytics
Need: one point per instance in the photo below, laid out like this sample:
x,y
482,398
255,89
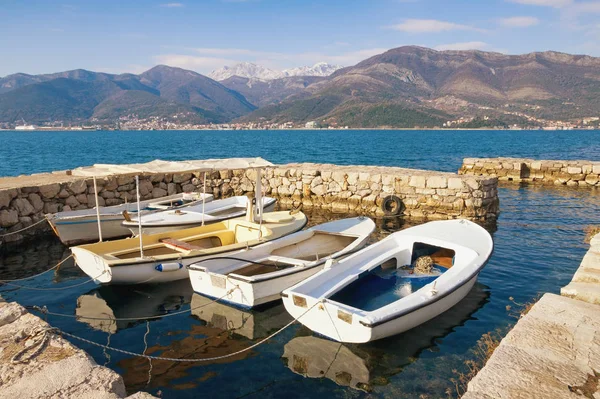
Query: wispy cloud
x,y
172,5
519,22
463,46
430,26
544,3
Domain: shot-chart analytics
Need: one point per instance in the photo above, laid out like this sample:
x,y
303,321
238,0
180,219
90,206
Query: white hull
x,y
215,211
146,229
318,305
328,241
76,227
119,262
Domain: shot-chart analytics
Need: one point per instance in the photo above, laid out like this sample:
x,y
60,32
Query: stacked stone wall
x,y
356,189
570,173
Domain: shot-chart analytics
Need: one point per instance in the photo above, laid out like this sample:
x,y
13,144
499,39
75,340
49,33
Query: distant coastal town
x,y
132,122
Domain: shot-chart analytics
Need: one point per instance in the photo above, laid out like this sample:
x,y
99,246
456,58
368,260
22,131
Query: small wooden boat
x,y
196,215
161,257
260,274
76,227
377,292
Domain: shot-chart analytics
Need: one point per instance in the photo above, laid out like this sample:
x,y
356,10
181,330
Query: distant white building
x,y
311,125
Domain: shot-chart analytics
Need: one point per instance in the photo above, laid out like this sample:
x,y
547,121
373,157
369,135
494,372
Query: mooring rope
x,y
23,229
52,288
39,274
36,347
171,359
45,311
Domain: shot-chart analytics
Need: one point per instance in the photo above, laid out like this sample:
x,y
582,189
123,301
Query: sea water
x,y
538,241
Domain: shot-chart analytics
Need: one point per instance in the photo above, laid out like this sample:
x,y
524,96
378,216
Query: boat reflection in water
x,y
363,366
102,307
254,324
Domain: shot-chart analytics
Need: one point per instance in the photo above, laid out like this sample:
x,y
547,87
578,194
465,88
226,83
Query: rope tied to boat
x,y
52,288
40,337
39,274
44,310
184,360
24,228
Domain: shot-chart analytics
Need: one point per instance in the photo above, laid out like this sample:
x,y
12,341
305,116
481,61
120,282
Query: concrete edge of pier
x,y
554,350
36,365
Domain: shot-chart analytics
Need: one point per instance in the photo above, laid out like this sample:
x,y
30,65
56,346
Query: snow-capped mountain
x,y
246,70
319,69
254,71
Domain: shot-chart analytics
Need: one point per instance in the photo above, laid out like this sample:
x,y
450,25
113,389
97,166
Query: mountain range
x,y
258,72
403,87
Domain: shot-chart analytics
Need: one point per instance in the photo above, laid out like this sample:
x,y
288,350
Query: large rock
x,y
23,207
50,190
8,217
36,202
145,187
78,186
6,196
159,193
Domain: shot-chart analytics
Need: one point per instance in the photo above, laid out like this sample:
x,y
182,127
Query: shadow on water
x,y
364,366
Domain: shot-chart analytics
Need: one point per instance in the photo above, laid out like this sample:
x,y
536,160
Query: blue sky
x,y
131,36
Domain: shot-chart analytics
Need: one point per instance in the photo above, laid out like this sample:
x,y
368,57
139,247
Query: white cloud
x,y
519,22
172,5
430,26
463,46
545,3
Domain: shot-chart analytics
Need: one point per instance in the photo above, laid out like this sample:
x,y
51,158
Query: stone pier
x,y
24,200
570,173
554,350
53,369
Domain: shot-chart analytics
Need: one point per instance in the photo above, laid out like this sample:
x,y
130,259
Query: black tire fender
x,y
392,205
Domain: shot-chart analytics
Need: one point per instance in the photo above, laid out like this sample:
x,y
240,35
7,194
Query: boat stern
x,y
217,285
93,265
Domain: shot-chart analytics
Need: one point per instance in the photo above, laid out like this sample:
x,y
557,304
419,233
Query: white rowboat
x,y
163,256
76,227
372,294
196,215
259,275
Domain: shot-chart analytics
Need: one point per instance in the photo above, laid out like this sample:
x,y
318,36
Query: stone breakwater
x,y
33,368
24,200
554,350
570,173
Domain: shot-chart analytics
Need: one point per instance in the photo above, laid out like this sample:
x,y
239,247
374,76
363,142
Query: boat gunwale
x,y
195,253
269,201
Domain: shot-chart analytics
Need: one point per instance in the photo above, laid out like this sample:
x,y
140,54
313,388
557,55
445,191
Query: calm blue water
x,y
538,245
31,152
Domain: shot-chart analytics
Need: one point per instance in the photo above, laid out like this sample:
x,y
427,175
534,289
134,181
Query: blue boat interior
x,y
389,282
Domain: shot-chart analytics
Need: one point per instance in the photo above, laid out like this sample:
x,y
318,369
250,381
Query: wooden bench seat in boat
x,y
205,243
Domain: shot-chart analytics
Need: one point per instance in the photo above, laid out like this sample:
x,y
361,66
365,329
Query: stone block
x,y
79,186
36,201
418,181
574,170
187,188
159,193
596,169
339,177
6,196
72,201
352,177
82,198
49,190
107,194
51,207
8,217
181,177
63,194
591,179
437,182
92,201
586,292
22,206
455,183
